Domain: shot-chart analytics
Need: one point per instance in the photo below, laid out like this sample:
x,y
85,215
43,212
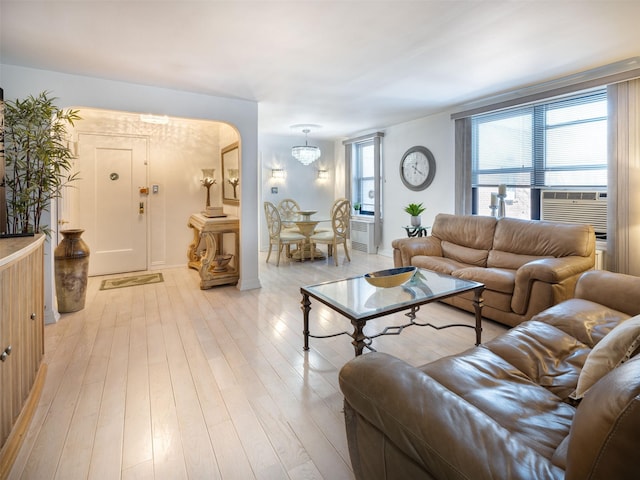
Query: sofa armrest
x,y
604,436
404,249
614,290
548,270
439,431
553,270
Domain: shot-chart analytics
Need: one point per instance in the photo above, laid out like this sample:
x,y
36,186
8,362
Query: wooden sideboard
x,y
22,372
214,238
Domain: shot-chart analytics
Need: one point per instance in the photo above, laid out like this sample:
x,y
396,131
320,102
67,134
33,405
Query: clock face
x,y
417,168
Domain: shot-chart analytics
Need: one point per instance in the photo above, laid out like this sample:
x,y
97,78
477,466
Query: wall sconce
x,y
323,174
234,180
207,181
277,173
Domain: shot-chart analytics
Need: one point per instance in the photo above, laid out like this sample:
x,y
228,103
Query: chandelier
x,y
306,153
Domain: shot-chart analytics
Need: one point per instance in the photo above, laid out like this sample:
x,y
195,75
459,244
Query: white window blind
x,y
556,144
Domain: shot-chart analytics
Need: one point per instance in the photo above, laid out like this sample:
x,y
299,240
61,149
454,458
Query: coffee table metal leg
x,y
477,306
306,307
358,336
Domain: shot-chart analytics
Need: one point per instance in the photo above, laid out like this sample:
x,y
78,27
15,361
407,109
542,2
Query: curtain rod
x,y
362,138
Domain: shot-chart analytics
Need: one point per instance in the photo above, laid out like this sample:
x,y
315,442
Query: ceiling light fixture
x,y
305,154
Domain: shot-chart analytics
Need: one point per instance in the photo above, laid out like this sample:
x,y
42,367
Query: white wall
x,y
75,90
177,153
436,132
301,182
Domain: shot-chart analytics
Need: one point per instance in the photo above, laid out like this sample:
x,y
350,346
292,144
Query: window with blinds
x,y
364,177
558,144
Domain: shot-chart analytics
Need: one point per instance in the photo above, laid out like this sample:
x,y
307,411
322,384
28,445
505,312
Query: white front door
x,y
111,206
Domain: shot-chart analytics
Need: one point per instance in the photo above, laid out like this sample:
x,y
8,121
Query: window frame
x,y
358,177
538,169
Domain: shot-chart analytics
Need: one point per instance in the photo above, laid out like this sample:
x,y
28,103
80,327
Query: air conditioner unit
x,y
572,206
362,235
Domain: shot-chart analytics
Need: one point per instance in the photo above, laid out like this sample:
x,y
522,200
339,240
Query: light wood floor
x,y
169,381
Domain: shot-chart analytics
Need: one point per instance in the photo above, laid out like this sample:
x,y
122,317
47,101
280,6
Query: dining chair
x,y
277,235
288,209
333,207
338,233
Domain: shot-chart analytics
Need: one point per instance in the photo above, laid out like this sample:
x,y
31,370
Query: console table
x,y
215,250
22,371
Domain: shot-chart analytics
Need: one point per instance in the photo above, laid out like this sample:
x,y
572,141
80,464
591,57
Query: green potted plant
x,y
38,159
415,210
357,207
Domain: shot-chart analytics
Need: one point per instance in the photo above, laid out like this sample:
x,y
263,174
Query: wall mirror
x,y
231,174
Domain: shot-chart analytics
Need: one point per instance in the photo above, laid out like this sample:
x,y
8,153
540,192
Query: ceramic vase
x,y
71,262
416,220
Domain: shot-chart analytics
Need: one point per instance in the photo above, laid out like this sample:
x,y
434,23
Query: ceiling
x,y
349,66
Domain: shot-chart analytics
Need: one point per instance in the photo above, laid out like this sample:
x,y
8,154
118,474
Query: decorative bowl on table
x,y
220,262
391,277
306,214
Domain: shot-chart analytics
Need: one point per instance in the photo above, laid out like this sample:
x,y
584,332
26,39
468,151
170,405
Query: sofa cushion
x,y
543,239
614,349
460,253
435,429
583,319
527,348
437,264
500,259
495,279
533,415
466,230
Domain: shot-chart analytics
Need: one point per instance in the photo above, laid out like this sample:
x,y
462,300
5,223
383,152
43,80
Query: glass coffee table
x,y
359,301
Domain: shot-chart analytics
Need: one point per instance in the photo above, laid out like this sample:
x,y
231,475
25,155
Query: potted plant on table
x,y
415,210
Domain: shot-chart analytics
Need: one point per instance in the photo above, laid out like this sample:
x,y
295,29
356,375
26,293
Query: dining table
x,y
307,226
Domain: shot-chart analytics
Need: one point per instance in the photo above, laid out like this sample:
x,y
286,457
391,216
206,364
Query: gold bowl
x,y
390,278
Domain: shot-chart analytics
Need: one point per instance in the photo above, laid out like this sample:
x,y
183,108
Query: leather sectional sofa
x,y
525,265
504,409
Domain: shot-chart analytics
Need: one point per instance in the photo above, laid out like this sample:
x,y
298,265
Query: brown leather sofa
x,y
525,265
503,410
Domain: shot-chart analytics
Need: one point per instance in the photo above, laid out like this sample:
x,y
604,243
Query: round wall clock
x,y
417,168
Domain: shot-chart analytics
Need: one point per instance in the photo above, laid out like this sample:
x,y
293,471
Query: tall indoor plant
x,y
38,162
38,159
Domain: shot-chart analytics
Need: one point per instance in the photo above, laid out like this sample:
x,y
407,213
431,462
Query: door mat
x,y
132,281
